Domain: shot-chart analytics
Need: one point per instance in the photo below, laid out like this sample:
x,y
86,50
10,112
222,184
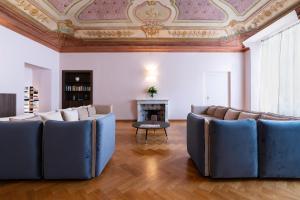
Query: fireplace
x,y
152,110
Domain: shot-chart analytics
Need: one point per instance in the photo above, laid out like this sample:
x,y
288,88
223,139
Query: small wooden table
x,y
154,125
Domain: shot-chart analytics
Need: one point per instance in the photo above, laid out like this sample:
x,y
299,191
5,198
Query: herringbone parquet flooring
x,y
157,170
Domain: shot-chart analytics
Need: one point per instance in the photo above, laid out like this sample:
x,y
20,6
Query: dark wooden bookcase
x,y
77,88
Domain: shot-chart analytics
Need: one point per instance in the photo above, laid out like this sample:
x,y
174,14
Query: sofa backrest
x,y
67,149
21,150
234,114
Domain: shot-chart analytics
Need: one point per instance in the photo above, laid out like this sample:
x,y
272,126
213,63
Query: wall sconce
x,y
151,73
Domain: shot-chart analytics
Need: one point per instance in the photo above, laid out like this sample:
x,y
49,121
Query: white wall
x,y
17,50
119,78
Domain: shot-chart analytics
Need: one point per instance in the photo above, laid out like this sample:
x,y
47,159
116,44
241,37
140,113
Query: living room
x,y
142,79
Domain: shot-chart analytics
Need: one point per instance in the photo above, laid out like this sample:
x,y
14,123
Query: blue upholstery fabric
x,y
279,146
196,141
20,150
68,150
233,149
105,145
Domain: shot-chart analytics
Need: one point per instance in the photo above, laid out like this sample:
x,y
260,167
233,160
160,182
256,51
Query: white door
x,y
217,88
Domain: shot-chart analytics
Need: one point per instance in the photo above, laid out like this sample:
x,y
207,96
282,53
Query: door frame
x,y
228,86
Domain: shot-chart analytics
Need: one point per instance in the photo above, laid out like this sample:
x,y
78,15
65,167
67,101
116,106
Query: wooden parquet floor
x,y
157,170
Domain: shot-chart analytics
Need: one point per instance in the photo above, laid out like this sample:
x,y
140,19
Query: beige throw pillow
x,y
70,115
220,112
247,115
83,113
30,118
92,111
231,114
271,117
56,116
211,110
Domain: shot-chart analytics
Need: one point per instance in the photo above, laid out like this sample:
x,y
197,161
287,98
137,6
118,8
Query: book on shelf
x,y
31,99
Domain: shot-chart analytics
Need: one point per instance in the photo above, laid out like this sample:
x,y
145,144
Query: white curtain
x,y
279,90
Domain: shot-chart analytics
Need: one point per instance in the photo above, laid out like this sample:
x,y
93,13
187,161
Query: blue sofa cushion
x,y
196,141
233,149
67,150
279,147
20,150
105,141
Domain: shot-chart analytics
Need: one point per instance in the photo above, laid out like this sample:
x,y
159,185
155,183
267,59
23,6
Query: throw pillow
x,y
247,115
56,116
70,115
21,117
29,118
231,114
83,113
92,111
271,117
220,112
211,110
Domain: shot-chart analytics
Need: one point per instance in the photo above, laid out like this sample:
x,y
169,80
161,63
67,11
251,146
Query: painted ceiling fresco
x,y
148,19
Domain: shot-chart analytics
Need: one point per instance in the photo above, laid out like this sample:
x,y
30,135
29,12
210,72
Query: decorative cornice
x,y
22,25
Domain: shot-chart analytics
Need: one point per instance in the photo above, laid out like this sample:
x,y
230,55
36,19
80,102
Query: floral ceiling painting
x,y
152,19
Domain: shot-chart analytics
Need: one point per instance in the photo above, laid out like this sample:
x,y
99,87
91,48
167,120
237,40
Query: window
x,y
279,88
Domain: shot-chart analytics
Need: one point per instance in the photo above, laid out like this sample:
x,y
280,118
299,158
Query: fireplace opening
x,y
153,112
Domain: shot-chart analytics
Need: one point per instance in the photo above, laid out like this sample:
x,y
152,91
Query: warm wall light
x,y
151,73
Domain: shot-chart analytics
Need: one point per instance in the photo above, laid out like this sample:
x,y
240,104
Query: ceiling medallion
x,y
152,14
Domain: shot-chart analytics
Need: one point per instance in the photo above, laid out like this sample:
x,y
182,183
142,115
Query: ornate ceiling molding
x,y
145,24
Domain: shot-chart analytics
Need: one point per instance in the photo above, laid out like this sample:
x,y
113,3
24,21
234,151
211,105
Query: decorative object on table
x,y
31,100
152,91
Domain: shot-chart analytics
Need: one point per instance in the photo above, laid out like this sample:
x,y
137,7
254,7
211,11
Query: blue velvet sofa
x,y
56,149
244,148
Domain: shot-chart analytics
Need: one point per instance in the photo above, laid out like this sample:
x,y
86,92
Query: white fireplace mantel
x,y
142,102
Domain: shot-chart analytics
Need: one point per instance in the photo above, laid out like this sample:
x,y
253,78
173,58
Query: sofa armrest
x,y
196,141
198,109
104,109
105,141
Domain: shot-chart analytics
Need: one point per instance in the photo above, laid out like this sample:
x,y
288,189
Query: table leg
x,y
136,132
146,134
166,132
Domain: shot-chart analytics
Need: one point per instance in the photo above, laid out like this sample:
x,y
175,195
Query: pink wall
x,y
119,78
17,50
